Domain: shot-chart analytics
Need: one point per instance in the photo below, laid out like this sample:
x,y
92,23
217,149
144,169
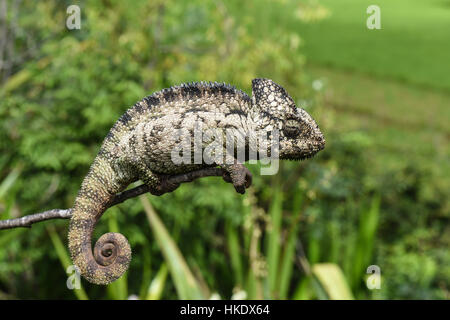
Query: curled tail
x,y
112,252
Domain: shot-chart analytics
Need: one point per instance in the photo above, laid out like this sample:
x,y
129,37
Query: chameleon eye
x,y
291,128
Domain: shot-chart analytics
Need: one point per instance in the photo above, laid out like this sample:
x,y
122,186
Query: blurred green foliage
x,y
345,208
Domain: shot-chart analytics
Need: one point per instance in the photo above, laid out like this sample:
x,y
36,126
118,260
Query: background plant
x,y
375,195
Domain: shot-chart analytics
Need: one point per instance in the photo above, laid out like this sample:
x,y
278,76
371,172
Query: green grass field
x,y
393,83
404,122
413,44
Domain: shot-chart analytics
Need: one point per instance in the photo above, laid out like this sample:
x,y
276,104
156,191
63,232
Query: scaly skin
x,y
139,147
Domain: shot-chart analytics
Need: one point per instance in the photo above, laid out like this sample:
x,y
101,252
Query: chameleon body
x,y
140,144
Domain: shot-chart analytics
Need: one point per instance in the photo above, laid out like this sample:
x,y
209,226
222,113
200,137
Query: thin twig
x,y
27,221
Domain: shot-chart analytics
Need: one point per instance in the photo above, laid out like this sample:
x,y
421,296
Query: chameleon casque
x,y
139,146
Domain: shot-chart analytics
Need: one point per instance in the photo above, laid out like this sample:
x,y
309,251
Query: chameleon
x,y
139,147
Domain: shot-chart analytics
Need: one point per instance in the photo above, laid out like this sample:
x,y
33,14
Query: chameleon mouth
x,y
318,146
319,142
321,145
300,157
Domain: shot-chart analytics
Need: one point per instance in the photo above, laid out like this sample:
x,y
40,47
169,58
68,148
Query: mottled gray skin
x,y
139,147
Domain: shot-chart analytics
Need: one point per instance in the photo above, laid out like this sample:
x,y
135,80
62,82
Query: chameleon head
x,y
299,135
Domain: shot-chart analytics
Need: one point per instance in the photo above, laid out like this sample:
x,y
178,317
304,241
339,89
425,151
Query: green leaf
x,y
332,281
186,285
118,289
8,182
235,254
365,241
146,271
157,285
287,261
273,248
63,256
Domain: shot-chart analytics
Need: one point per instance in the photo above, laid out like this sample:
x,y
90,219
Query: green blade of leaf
x,y
8,182
158,283
332,281
184,281
273,247
287,261
235,255
65,260
118,289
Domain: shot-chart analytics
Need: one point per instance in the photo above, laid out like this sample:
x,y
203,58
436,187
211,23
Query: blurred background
x,y
376,196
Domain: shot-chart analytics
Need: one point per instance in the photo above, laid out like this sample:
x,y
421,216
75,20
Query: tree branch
x,y
27,221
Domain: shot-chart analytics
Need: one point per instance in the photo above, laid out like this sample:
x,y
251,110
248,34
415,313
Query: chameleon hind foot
x,y
164,186
157,183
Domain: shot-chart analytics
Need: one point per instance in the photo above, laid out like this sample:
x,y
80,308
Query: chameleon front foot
x,y
239,176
